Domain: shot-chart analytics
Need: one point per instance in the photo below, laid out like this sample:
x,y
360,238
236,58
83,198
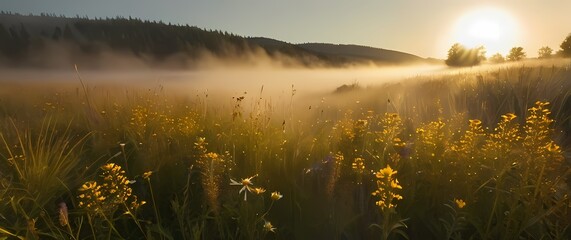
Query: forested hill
x,y
27,40
360,52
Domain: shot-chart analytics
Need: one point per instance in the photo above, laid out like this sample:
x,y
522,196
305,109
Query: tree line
x,y
131,35
461,56
141,38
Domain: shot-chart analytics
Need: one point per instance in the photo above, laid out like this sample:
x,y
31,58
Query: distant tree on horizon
x,y
497,58
545,52
566,47
516,54
460,56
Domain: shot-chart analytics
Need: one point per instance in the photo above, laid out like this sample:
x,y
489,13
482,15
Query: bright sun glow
x,y
493,28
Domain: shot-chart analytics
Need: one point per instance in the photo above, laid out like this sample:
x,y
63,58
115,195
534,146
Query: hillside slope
x,y
361,52
343,52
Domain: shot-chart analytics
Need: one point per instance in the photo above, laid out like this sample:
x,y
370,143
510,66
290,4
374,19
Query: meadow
x,y
474,153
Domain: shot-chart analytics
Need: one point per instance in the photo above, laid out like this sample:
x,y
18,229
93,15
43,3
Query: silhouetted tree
x,y
13,33
5,39
497,58
566,46
67,35
544,52
57,34
18,41
24,36
459,56
481,52
516,54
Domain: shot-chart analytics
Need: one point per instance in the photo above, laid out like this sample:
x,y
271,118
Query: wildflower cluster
x,y
462,153
537,140
505,136
186,124
430,144
352,134
360,128
91,197
248,186
471,140
398,144
391,125
106,197
431,138
537,124
358,167
212,168
151,119
139,115
115,184
387,185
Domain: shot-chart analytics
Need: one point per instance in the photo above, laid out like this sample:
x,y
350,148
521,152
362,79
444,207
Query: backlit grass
x,y
475,155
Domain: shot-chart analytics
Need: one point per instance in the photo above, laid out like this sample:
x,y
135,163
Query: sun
x,y
484,30
492,28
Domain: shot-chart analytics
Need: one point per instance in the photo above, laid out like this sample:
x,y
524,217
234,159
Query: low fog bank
x,y
374,88
222,79
230,78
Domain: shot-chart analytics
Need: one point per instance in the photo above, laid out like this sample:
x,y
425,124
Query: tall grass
x,y
474,155
40,166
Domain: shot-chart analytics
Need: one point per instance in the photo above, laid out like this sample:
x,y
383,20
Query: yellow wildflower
x,y
395,184
553,147
385,172
105,197
358,164
460,203
269,227
386,187
475,122
88,185
508,117
147,175
259,190
276,196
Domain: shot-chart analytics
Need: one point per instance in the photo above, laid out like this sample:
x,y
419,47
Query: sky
x,y
426,28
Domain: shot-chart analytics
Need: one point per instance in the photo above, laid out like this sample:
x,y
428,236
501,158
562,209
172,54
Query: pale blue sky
x,y
425,28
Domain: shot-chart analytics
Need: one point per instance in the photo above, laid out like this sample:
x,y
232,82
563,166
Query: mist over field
x,y
228,78
362,87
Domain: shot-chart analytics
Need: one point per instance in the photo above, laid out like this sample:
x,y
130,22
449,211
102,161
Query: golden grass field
x,y
462,154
